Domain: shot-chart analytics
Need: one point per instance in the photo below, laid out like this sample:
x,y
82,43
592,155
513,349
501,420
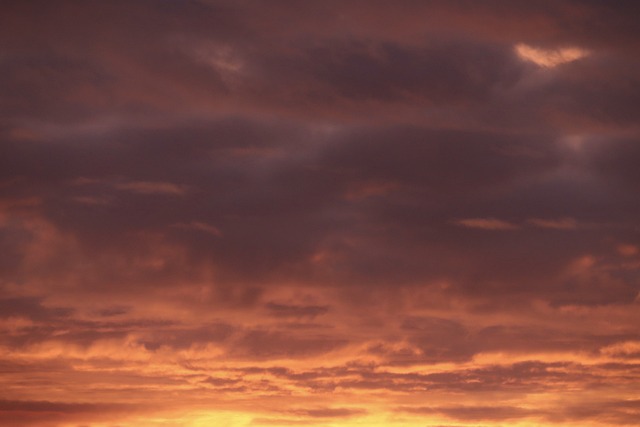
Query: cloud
x,y
549,58
476,413
200,226
264,344
32,308
627,349
486,224
51,413
557,224
616,412
330,412
296,311
145,187
348,208
47,406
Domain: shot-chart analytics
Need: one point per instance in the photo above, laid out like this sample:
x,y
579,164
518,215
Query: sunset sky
x,y
321,213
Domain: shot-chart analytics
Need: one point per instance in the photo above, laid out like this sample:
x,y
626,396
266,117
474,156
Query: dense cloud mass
x,y
246,213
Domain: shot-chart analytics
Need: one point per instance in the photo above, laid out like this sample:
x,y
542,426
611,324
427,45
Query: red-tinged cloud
x,y
338,213
486,224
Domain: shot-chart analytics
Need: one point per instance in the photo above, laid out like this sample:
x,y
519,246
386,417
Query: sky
x,y
319,213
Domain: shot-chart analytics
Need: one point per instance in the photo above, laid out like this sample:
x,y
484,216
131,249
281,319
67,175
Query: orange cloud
x,y
549,58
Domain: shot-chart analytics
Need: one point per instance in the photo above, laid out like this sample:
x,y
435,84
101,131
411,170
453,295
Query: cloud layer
x,y
332,214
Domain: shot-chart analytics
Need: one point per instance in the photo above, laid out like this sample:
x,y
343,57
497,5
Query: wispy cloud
x,y
199,226
486,224
152,187
557,224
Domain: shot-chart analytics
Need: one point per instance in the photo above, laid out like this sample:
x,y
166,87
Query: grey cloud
x,y
275,213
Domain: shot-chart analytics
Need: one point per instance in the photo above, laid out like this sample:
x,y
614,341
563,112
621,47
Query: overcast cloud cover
x,y
331,213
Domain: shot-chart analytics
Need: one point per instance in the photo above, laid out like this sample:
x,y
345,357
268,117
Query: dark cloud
x,y
46,406
230,57
51,413
32,308
264,344
515,379
183,338
613,159
615,412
